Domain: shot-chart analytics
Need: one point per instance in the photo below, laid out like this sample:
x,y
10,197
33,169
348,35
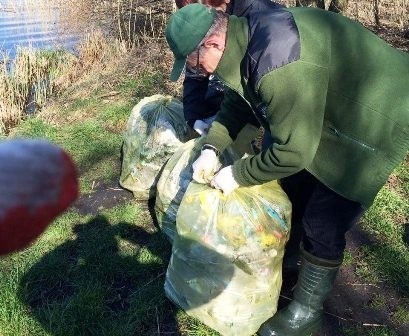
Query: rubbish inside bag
x,y
225,268
174,180
155,130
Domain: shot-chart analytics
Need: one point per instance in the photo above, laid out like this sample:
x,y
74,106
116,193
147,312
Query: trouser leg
x,y
326,219
298,188
320,216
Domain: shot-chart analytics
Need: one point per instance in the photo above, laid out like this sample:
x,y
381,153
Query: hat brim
x,y
177,70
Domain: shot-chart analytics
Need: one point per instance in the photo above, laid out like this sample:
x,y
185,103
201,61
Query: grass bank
x,y
99,269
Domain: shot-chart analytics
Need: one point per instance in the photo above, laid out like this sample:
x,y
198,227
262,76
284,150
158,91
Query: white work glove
x,y
205,166
201,127
224,180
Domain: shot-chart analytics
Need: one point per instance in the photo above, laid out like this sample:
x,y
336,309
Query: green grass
x,y
388,257
94,147
146,83
381,331
401,315
378,301
348,258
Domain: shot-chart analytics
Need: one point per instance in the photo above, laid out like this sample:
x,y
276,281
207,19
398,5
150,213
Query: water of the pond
x,y
31,24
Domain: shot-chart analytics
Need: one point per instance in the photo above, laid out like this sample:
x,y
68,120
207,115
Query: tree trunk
x,y
376,12
338,6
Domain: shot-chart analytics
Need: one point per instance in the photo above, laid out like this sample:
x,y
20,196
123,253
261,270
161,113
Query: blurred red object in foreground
x,y
38,181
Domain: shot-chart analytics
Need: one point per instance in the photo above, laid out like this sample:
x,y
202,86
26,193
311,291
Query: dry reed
x,y
26,82
132,22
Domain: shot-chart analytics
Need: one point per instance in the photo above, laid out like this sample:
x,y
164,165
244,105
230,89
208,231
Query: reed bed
x,y
26,82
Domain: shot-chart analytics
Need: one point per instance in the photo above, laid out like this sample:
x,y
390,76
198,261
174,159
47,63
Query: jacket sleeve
x,y
234,114
194,97
295,96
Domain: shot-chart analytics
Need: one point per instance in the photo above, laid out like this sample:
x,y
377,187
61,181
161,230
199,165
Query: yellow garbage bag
x,y
174,180
155,130
226,263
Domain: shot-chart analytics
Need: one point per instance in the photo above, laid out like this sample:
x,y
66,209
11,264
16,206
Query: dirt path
x,y
352,304
104,196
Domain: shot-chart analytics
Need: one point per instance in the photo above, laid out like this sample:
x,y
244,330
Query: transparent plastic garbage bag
x,y
155,130
226,263
174,180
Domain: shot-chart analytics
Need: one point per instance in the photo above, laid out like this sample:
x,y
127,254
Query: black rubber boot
x,y
303,316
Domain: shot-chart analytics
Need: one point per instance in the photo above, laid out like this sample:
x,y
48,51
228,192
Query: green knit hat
x,y
186,28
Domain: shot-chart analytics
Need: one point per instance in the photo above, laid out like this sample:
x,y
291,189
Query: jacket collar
x,y
229,68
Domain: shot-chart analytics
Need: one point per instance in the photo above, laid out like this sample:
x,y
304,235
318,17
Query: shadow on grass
x,y
94,286
107,281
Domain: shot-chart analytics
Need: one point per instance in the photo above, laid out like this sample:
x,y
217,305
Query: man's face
x,y
204,60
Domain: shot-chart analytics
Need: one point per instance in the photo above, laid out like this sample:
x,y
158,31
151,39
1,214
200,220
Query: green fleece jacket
x,y
340,111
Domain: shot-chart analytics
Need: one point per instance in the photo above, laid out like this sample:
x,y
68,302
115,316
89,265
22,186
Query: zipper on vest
x,y
352,139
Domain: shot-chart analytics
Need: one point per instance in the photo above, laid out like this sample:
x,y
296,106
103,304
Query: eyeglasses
x,y
197,69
